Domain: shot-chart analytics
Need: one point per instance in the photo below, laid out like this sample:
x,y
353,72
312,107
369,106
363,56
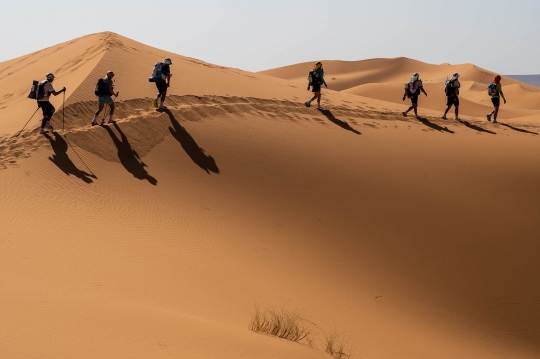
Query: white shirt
x,y
48,88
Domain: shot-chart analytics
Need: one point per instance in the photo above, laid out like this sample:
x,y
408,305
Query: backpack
x,y
492,89
449,88
33,91
156,73
39,92
410,91
100,89
313,77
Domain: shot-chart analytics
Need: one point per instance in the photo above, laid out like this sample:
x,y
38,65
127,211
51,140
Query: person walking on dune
x,y
452,95
412,91
104,91
495,91
45,89
163,73
316,79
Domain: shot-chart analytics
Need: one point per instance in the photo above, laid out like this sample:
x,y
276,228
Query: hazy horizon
x,y
256,36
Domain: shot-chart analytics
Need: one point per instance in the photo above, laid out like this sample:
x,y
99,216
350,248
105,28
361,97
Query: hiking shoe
x,y
495,120
404,114
94,123
162,107
418,117
155,103
458,119
489,117
42,132
111,121
320,108
308,104
444,117
48,125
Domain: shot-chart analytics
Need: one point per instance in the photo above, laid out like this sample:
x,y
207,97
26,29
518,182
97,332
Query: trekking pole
x,y
26,123
108,107
69,143
63,112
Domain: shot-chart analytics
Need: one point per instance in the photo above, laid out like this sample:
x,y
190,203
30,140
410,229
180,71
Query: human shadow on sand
x,y
518,129
62,160
194,151
128,156
476,127
338,122
434,126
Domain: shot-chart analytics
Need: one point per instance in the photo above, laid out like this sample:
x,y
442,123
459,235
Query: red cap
x,y
497,79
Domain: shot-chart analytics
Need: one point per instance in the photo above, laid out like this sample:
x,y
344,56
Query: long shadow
x,y
477,128
518,129
129,157
194,151
62,160
434,126
338,122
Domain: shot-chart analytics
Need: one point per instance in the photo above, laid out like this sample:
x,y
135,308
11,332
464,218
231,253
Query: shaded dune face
x,y
156,236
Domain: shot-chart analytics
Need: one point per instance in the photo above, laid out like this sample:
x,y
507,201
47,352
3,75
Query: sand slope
x,y
383,79
155,237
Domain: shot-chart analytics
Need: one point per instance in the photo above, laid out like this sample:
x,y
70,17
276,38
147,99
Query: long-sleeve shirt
x,y
320,76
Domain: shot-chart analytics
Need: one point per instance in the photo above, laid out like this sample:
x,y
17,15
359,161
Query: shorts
x,y
105,100
47,108
452,100
316,87
161,85
496,101
414,99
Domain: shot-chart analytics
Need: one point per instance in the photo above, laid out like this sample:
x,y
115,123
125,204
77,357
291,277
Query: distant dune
x,y
157,236
384,79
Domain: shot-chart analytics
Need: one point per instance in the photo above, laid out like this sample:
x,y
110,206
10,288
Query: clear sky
x,y
502,36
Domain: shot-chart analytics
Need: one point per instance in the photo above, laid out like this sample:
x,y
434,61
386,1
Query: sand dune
x,y
383,79
436,99
155,237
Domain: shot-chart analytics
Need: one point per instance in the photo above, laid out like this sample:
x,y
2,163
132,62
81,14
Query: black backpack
x,y
33,91
450,89
37,92
100,90
313,77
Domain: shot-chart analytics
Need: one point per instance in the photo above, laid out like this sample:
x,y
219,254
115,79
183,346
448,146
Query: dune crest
x,y
156,237
383,79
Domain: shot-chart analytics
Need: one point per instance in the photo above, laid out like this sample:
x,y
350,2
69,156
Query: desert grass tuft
x,y
289,325
336,346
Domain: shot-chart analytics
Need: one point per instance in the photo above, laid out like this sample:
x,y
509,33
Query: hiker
x,y
163,82
104,91
316,79
43,101
412,91
495,91
452,95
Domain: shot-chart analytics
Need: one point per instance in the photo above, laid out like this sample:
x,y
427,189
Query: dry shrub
x,y
336,346
280,323
290,325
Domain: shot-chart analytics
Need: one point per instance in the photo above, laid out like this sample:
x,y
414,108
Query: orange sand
x,y
384,79
154,238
